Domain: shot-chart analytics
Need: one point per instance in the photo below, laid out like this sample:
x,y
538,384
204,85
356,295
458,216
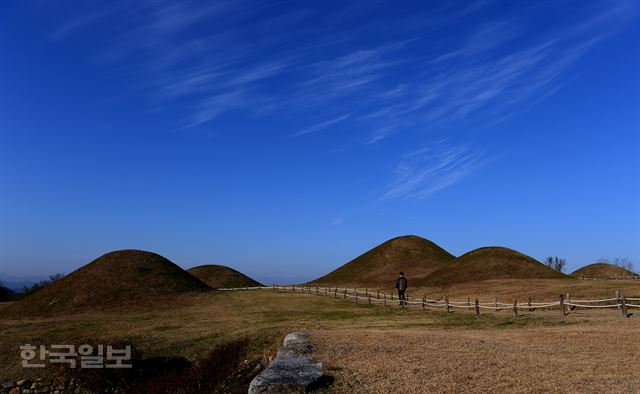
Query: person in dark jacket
x,y
401,285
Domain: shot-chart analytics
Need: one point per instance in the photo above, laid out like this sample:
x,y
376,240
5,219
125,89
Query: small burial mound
x,y
379,267
114,279
601,271
490,263
220,276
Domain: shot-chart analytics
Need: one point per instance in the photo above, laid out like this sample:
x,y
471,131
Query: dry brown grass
x,y
191,325
593,357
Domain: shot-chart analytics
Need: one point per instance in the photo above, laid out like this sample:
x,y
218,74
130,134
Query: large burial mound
x,y
111,280
219,276
601,271
490,263
415,256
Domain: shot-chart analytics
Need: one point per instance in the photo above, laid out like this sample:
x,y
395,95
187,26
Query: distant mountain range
x,y
16,283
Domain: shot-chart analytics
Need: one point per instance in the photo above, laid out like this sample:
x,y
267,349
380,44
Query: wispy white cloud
x,y
214,106
185,49
426,171
323,125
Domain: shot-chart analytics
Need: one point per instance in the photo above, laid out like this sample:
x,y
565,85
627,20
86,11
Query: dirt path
x,y
599,356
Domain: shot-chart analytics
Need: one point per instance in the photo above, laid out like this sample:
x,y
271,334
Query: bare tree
x,y
26,290
623,262
555,263
548,262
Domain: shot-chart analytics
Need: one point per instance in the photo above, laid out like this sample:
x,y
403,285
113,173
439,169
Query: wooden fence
x,y
563,304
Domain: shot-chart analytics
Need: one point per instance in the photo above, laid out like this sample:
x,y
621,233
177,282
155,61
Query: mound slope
x,y
111,280
490,263
220,276
415,256
601,270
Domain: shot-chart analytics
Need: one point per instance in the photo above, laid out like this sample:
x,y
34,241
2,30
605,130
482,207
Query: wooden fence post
x,y
618,299
424,299
378,294
247,287
529,304
345,293
356,291
623,305
468,303
495,304
515,307
369,298
366,291
477,307
562,305
446,303
385,299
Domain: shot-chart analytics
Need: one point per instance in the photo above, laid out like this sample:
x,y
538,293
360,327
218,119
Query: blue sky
x,y
285,138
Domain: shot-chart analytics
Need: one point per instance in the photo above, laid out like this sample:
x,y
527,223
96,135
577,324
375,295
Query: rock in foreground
x,y
292,371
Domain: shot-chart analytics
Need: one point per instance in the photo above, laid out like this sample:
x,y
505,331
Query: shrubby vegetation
x,y
26,290
6,294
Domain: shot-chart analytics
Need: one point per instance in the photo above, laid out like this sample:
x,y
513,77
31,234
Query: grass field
x,y
446,350
597,356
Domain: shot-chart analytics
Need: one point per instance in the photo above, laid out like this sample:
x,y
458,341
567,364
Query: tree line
x,y
7,294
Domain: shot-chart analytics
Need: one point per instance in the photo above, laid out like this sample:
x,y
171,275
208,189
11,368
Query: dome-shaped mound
x,y
490,263
601,271
109,281
220,276
413,255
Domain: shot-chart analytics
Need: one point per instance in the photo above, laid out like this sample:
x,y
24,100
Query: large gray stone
x,y
292,371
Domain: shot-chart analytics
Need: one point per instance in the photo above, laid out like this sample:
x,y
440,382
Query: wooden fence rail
x,y
564,303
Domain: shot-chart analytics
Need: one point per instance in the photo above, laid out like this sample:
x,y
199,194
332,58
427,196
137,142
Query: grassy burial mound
x,y
114,279
220,276
490,263
379,267
601,271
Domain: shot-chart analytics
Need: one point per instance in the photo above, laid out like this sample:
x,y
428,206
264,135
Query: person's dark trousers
x,y
401,297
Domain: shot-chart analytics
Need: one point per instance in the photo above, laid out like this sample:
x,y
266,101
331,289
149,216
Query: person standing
x,y
401,285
